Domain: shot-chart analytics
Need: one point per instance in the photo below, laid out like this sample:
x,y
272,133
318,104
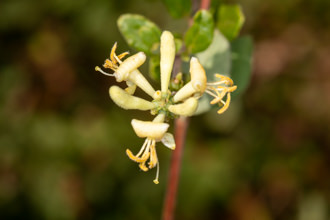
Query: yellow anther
x,y
225,106
143,167
228,81
113,53
144,157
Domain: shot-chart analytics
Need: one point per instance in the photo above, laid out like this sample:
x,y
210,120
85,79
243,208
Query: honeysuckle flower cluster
x,y
164,103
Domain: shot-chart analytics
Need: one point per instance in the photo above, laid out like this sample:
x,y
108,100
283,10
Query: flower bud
x,y
167,55
198,76
127,101
153,130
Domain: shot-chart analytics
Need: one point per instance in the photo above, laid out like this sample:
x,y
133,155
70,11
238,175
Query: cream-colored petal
x,y
183,93
152,130
127,101
138,79
131,87
159,118
187,108
167,55
168,141
198,76
131,63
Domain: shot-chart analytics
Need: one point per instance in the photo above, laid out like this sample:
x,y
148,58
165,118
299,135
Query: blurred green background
x,y
63,141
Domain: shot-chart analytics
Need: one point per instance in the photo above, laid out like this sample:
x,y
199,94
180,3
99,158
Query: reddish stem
x,y
181,125
205,4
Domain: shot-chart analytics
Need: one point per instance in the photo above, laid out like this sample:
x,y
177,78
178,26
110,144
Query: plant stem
x,y
205,4
180,131
181,125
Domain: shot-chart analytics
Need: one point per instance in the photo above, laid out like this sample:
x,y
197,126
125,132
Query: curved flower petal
x,y
126,101
187,108
152,130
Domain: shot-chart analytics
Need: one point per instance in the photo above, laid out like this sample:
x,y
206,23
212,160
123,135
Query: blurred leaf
x,y
178,44
217,57
200,34
178,8
241,63
230,20
203,105
154,67
139,32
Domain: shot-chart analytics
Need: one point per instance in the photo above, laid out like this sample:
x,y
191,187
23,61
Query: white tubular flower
x,y
165,103
126,101
197,84
167,55
127,70
153,132
187,108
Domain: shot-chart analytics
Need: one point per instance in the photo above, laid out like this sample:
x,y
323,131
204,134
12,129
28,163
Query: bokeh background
x,y
63,141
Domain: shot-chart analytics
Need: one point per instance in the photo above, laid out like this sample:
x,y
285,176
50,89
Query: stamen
x,y
157,164
219,97
117,59
146,153
142,148
113,53
157,175
121,56
153,155
216,83
226,105
232,89
144,157
211,93
228,81
101,71
143,167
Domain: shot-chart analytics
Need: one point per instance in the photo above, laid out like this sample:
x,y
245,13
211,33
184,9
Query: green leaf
x,y
178,8
200,34
203,105
154,67
242,49
217,57
140,33
230,20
